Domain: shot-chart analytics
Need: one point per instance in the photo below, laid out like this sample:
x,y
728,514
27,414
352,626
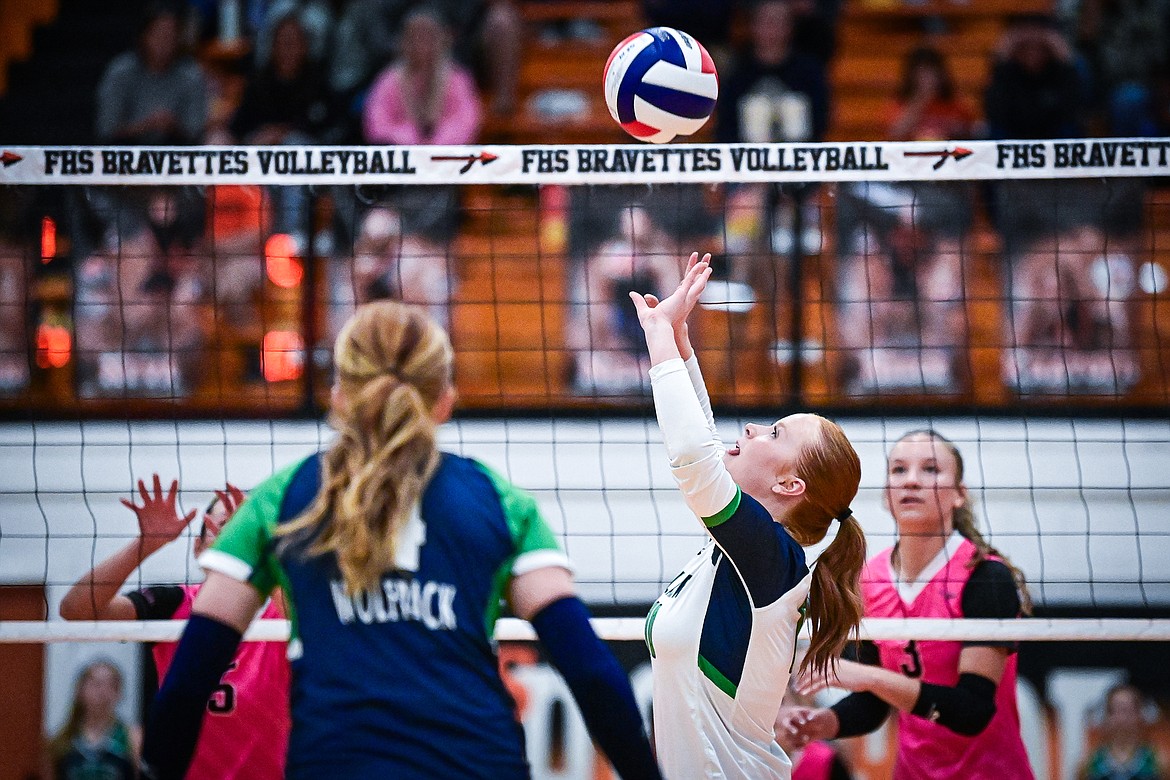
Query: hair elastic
x,y
846,513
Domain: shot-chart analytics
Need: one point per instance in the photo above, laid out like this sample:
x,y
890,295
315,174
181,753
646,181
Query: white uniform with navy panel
x,y
722,637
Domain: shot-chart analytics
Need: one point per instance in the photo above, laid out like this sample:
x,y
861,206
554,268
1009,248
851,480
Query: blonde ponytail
x,y
393,365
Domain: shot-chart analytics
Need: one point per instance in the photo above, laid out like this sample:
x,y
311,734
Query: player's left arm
x,y
967,706
241,571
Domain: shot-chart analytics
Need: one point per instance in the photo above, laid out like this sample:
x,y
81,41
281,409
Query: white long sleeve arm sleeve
x,y
694,449
700,386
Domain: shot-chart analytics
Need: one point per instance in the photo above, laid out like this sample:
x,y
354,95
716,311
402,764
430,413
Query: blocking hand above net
x,y
246,714
95,596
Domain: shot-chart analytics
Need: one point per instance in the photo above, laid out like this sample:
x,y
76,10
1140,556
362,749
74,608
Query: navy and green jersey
x,y
400,680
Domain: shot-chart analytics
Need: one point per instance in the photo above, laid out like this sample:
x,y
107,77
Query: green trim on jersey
x,y
529,532
650,627
722,516
249,537
716,676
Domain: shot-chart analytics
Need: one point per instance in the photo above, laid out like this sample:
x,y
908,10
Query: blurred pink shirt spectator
x,y
424,97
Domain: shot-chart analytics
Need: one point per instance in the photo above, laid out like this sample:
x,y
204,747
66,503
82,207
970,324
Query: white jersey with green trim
x,y
706,725
722,637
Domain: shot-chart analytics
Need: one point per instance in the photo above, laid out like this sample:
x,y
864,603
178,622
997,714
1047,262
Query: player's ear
x,y
962,499
789,485
443,409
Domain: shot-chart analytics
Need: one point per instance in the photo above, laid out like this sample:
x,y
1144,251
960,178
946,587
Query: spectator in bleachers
x,y
154,94
287,101
424,97
1036,90
927,107
1070,326
1126,751
486,36
1125,43
316,22
15,270
139,333
774,92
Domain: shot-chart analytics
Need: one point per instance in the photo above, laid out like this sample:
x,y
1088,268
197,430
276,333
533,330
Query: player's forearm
x,y
660,341
204,652
895,689
599,686
694,449
90,597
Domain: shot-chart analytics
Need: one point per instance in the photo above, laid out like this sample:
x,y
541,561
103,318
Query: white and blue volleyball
x,y
660,84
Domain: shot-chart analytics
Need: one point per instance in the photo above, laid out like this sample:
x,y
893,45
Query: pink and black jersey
x,y
948,588
245,731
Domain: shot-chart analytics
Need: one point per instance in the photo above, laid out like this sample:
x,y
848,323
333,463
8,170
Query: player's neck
x,y
915,552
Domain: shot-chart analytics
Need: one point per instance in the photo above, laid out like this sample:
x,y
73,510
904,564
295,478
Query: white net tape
x,y
631,629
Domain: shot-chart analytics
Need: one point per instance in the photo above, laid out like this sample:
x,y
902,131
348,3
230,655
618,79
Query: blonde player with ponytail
x,y
956,701
722,637
395,558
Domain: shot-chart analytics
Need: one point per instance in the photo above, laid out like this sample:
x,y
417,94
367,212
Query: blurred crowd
x,y
148,264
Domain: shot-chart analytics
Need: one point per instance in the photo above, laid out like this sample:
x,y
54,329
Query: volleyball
x,y
660,83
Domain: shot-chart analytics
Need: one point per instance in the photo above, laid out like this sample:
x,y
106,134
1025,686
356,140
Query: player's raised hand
x,y
678,305
158,518
230,499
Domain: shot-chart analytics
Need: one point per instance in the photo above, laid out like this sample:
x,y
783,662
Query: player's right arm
x,y
95,596
547,598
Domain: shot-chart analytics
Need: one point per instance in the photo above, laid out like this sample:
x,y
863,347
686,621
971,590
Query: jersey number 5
x,y
223,698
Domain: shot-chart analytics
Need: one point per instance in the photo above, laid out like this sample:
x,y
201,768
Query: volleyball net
x,y
171,311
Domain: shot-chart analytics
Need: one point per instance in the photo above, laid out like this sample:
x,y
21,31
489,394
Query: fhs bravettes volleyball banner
x,y
586,164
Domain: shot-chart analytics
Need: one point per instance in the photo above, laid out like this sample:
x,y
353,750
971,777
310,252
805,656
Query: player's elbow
x,y
966,708
75,609
974,722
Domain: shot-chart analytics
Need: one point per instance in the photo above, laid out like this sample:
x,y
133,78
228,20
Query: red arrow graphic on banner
x,y
956,154
469,159
10,158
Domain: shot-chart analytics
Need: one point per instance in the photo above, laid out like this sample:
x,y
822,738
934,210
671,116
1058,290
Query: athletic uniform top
x,y
400,680
818,761
1142,765
722,637
245,730
110,759
925,749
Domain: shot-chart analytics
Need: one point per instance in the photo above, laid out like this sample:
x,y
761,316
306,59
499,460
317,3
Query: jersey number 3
x,y
912,667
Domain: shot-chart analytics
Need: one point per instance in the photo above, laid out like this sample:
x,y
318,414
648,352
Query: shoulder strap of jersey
x,y
302,489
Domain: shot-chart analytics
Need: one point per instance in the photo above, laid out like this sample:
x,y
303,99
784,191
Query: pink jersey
x,y
815,762
245,731
927,750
